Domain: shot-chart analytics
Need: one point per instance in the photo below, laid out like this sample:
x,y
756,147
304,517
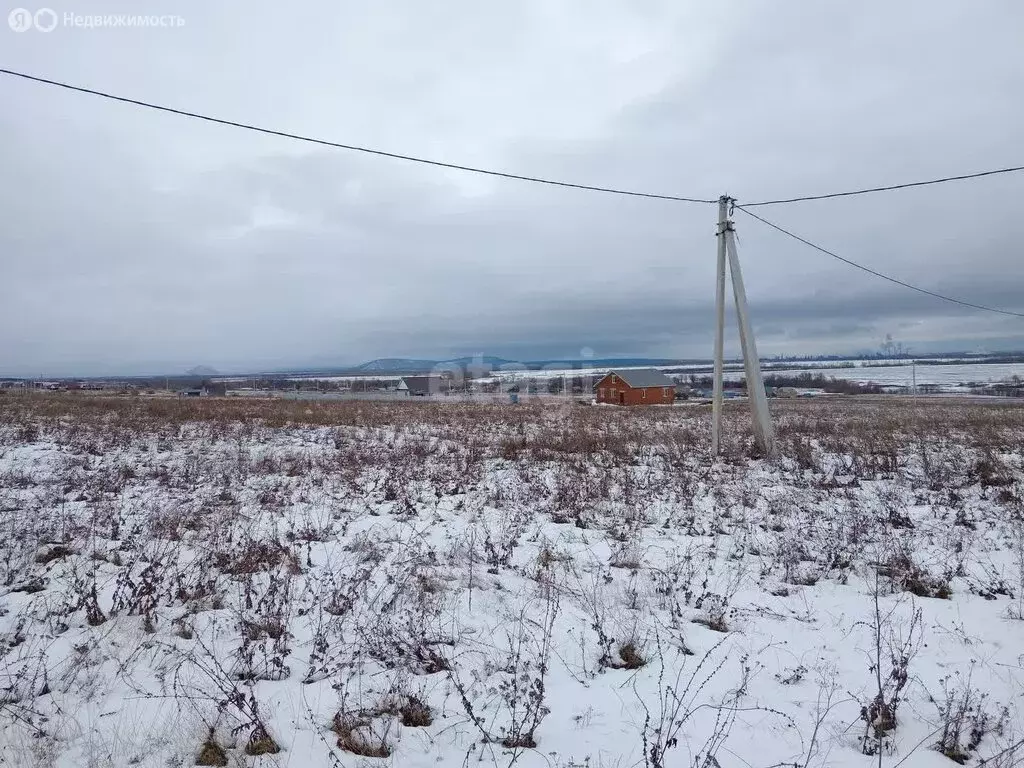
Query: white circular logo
x,y
20,20
45,19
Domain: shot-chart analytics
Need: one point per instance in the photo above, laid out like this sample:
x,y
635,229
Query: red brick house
x,y
640,386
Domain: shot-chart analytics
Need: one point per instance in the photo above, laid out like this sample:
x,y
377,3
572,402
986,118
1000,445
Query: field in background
x,y
947,376
246,582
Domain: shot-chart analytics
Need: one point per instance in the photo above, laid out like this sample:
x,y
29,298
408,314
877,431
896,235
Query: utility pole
x,y
716,402
764,435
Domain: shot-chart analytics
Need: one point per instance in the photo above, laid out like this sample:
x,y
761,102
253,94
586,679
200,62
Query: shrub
x,y
356,735
211,753
965,720
415,713
908,576
260,743
631,656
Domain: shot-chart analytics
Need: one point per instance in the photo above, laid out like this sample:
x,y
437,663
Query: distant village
x,y
625,386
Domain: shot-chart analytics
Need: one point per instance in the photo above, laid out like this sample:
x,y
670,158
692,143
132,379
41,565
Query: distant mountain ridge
x,y
201,370
391,364
410,365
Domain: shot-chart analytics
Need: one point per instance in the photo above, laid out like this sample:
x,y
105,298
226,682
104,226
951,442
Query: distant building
x,y
640,386
422,386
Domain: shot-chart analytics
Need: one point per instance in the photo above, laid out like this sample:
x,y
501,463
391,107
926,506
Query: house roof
x,y
423,384
639,378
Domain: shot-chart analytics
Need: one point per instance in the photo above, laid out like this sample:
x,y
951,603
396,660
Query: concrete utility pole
x,y
716,403
764,435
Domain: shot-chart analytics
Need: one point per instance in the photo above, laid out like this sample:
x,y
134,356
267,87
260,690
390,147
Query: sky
x,y
137,242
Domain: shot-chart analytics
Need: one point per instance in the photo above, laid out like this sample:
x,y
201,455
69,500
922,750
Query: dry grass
x,y
211,753
341,544
355,735
631,656
415,713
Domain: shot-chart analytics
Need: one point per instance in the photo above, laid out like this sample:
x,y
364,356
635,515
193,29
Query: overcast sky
x,y
138,242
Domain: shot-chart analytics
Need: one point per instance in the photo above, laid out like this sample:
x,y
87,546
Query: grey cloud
x,y
138,242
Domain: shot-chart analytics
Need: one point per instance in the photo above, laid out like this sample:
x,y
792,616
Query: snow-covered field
x,y
893,372
883,372
351,584
904,374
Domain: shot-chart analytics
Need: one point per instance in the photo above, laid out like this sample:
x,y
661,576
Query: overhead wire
x,y
353,147
888,188
488,171
875,272
571,185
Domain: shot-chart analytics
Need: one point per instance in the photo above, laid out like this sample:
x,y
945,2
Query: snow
x,y
891,372
949,375
903,374
280,562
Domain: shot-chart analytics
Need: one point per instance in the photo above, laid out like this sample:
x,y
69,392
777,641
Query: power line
x,y
889,188
351,147
485,171
876,273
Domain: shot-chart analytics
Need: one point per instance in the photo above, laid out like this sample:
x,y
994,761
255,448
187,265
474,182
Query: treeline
x,y
987,360
797,381
265,383
825,383
1012,388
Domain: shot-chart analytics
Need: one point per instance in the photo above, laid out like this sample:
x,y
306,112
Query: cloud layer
x,y
134,242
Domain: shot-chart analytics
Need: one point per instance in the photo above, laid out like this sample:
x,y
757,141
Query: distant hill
x,y
608,362
409,365
393,364
488,361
